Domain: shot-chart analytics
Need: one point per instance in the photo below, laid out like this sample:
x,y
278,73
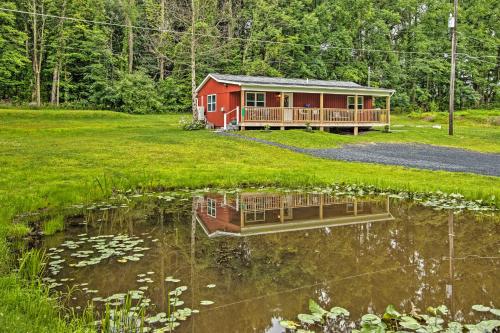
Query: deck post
x,y
282,210
321,112
321,200
242,104
282,108
356,114
237,115
388,108
225,121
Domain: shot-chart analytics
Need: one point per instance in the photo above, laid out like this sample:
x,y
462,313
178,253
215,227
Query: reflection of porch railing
x,y
275,201
313,115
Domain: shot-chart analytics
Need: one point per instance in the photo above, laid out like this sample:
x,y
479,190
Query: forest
x,y
146,56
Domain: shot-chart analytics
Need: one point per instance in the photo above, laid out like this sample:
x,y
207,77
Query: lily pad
x,y
206,302
481,308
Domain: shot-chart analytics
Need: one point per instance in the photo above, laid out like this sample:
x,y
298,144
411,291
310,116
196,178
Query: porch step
x,y
230,128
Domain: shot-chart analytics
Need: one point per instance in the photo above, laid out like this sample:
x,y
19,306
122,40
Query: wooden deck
x,y
326,117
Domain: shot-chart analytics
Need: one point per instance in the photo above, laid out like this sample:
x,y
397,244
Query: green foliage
x,y
12,52
404,45
53,225
391,321
32,265
191,125
136,93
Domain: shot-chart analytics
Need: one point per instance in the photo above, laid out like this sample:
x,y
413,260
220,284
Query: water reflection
x,y
245,214
359,253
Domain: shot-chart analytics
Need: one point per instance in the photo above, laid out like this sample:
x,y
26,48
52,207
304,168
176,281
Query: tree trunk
x,y
36,70
193,62
38,48
55,79
128,22
54,96
162,27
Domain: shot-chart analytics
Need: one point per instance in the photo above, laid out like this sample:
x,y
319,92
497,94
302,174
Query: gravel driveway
x,y
413,155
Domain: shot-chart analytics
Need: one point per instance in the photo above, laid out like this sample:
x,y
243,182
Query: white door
x,y
288,105
201,113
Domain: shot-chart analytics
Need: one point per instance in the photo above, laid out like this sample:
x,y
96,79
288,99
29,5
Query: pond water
x,y
260,256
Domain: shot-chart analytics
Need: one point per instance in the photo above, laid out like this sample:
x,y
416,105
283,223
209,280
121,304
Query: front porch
x,y
321,110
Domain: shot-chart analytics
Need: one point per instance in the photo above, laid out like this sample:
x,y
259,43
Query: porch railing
x,y
313,115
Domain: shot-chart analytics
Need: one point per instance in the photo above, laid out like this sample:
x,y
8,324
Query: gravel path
x,y
419,156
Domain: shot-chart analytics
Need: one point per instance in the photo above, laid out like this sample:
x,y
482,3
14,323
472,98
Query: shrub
x,y
190,125
136,93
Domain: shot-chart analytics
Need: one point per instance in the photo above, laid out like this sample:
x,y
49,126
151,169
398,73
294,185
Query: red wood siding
x,y
368,103
272,99
335,101
226,98
303,99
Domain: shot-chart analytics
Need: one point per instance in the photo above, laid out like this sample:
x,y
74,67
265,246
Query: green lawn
x,y
49,159
476,130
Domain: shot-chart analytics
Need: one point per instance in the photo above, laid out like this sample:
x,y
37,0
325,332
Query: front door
x,y
288,100
288,105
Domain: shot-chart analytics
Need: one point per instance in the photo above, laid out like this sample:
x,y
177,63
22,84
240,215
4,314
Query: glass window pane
x,y
260,97
260,103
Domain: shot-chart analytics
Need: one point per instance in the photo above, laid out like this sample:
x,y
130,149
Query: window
x,y
212,207
350,102
256,99
211,103
255,216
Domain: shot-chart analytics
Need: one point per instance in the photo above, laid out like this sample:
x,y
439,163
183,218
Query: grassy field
x,y
49,159
475,130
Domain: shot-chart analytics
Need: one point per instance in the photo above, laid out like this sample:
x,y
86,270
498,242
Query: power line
x,y
322,46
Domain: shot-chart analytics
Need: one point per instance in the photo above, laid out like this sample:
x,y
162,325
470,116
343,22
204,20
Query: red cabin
x,y
255,101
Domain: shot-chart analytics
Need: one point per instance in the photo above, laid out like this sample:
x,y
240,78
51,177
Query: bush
x,y
136,93
175,95
190,125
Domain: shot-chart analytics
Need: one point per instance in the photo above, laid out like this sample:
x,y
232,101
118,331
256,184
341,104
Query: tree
x,y
12,51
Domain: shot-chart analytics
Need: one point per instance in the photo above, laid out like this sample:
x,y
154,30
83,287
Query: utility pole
x,y
452,24
194,106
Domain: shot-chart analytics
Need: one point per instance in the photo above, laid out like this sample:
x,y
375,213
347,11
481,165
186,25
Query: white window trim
x,y
362,102
209,207
255,92
215,103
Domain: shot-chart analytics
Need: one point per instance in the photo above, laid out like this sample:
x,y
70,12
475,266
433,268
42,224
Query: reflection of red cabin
x,y
258,101
255,213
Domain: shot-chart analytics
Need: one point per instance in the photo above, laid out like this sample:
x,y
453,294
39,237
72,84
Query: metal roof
x,y
264,80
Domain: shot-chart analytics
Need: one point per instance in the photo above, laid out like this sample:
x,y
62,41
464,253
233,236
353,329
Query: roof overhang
x,y
303,89
318,89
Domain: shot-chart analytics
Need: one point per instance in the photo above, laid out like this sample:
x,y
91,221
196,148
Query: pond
x,y
246,260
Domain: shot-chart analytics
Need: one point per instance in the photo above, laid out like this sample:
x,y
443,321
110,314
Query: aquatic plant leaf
x,y
206,302
211,285
370,319
442,309
307,318
391,312
171,279
409,323
301,330
454,327
289,324
496,312
338,311
481,308
315,308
